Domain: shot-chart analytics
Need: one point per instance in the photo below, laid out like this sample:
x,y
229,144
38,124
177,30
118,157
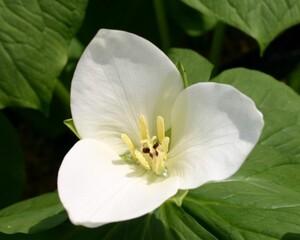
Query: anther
x,y
146,150
155,145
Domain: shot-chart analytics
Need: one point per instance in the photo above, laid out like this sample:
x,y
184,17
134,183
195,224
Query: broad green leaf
x,y
261,201
147,227
168,222
12,172
181,225
32,215
261,19
34,40
196,67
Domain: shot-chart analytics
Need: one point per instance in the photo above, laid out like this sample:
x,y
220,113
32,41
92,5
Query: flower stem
x,y
162,24
216,46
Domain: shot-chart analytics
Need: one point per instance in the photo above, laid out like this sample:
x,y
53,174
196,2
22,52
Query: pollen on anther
x,y
146,150
155,145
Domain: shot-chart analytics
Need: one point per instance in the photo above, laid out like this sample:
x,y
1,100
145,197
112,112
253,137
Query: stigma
x,y
151,154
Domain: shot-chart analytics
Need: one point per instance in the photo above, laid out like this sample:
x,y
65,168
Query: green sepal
x,y
70,124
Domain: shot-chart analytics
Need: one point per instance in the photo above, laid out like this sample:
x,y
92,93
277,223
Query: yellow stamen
x,y
129,143
159,166
144,128
139,156
165,144
160,128
152,152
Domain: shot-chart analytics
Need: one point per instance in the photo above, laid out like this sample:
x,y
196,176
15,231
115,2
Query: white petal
x,y
214,128
97,187
119,77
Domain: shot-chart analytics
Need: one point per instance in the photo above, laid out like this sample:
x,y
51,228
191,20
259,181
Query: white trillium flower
x,y
125,94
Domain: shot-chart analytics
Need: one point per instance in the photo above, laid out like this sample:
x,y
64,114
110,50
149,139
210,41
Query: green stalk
x,y
216,46
162,24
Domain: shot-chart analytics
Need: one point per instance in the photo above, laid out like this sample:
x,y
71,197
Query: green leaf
x,y
196,67
32,215
261,19
34,41
181,225
167,222
261,201
146,227
12,171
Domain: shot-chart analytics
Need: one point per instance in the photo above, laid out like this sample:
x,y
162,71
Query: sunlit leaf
x,y
32,215
147,227
182,225
34,40
261,201
261,19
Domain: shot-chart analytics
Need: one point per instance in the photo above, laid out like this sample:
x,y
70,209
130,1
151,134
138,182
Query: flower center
x,y
152,153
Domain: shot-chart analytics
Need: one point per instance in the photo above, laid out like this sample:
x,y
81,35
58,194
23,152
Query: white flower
x,y
125,94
